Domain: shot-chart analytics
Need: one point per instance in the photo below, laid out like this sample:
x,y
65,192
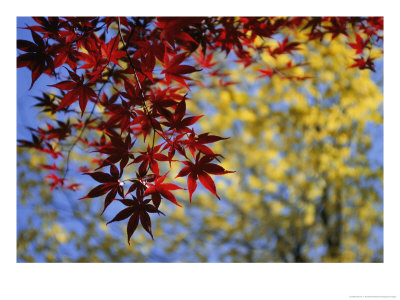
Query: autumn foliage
x,y
137,74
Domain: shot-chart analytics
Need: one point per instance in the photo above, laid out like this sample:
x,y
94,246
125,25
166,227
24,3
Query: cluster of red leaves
x,y
369,27
122,54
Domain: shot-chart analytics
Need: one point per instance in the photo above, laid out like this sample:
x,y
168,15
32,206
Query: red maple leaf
x,y
99,55
150,157
177,122
265,73
172,28
284,47
174,69
198,143
77,91
144,124
120,113
50,26
137,209
362,64
229,36
200,170
55,181
205,61
337,26
110,50
37,59
110,183
359,45
175,144
50,150
47,103
132,94
118,150
161,100
66,53
163,189
147,53
140,183
36,142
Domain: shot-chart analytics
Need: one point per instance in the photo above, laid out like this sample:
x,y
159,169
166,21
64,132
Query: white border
x,y
199,281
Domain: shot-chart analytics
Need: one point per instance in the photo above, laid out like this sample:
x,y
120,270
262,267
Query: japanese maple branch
x,y
138,81
161,134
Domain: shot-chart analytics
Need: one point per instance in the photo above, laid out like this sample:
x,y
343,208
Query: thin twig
x,y
90,115
81,133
